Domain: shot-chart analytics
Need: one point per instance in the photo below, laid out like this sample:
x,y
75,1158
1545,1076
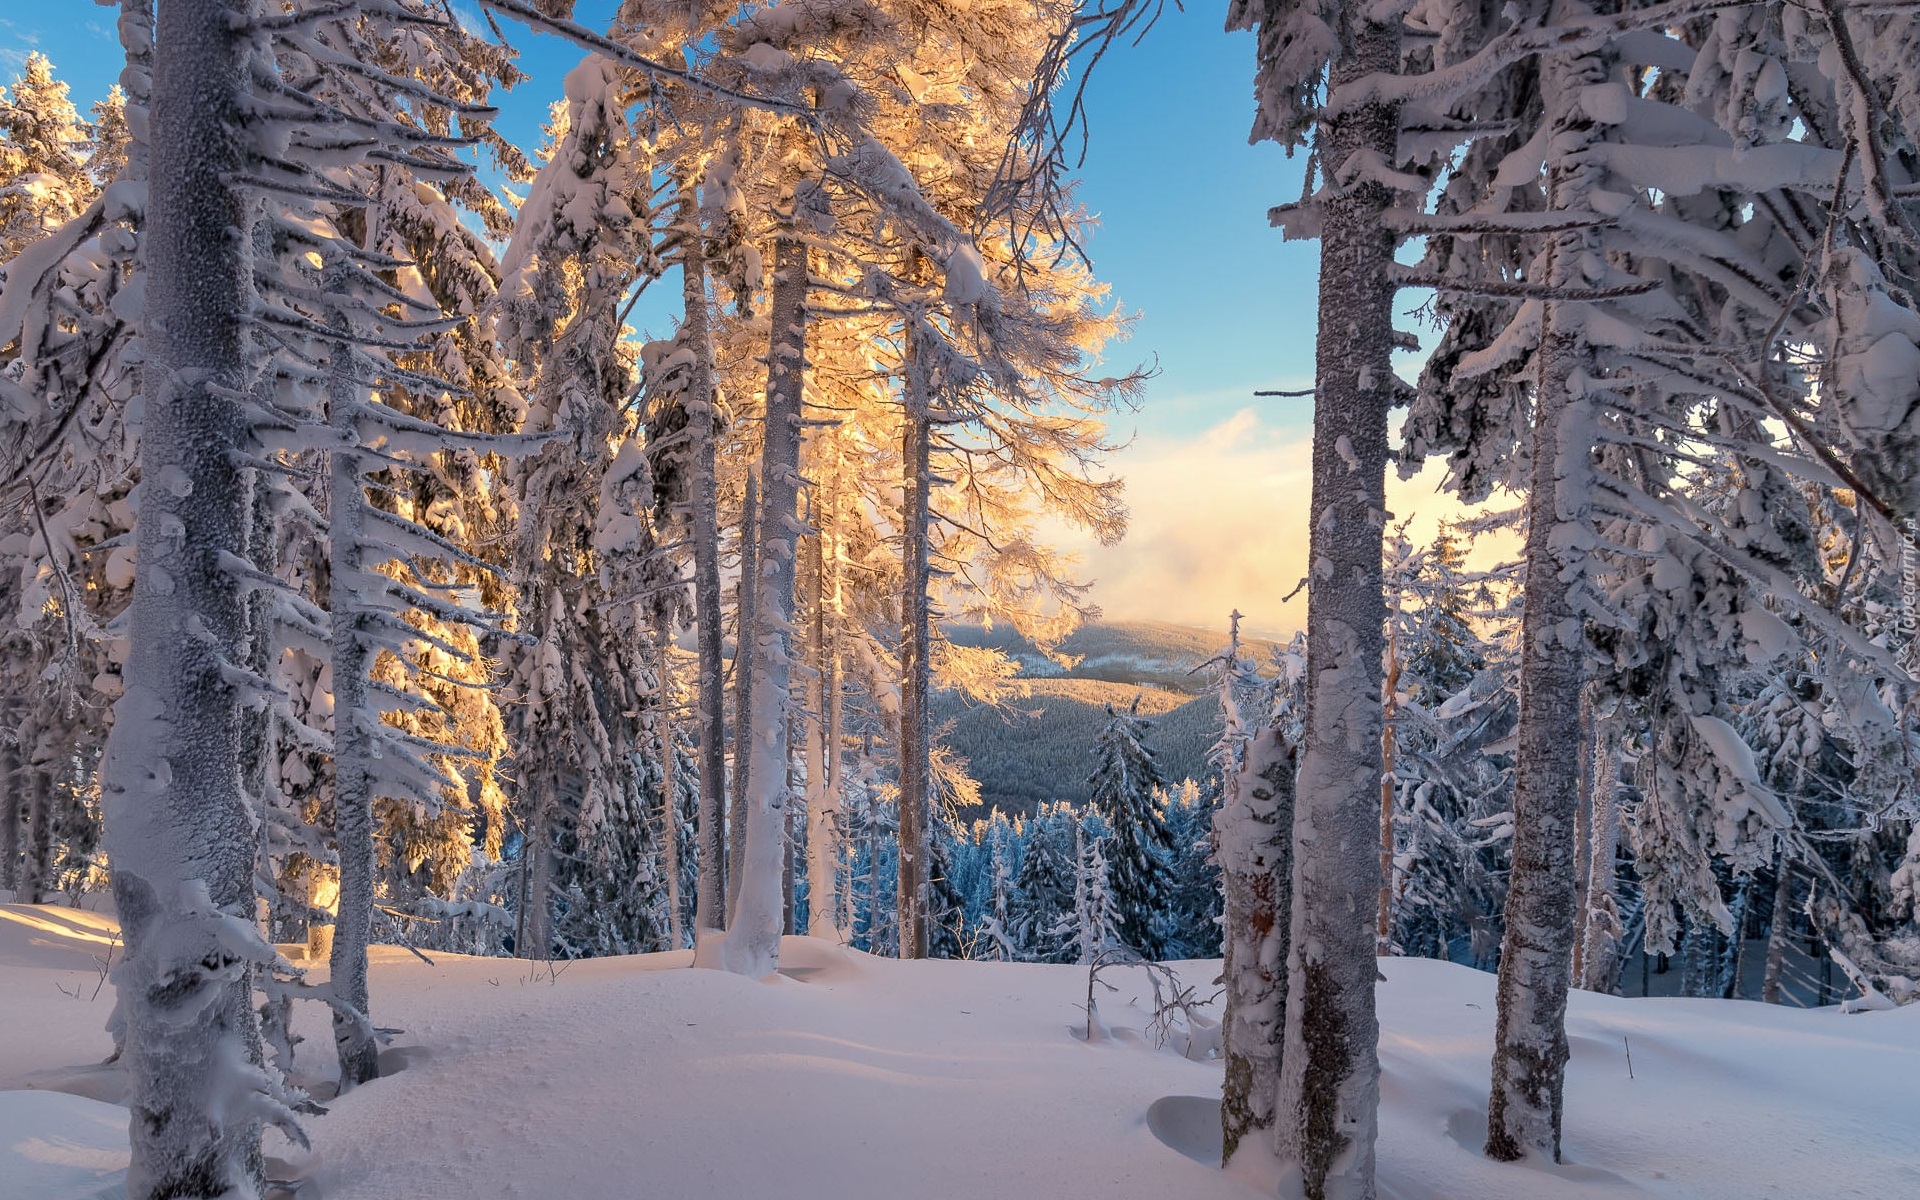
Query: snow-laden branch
x,y
625,55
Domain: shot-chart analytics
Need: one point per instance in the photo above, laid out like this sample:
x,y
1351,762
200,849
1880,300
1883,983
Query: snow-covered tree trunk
x,y
1383,919
1600,921
179,832
823,784
1254,830
745,617
751,944
669,776
710,898
916,642
1536,956
1330,1069
259,735
353,716
837,782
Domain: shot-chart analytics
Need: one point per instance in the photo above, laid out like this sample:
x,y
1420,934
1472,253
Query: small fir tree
x,y
1126,786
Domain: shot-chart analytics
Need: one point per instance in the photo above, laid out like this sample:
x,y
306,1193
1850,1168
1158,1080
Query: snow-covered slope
x,y
852,1078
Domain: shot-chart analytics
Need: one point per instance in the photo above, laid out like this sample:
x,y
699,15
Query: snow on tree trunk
x,y
823,815
746,614
179,833
1600,924
669,777
710,892
751,944
353,718
1536,956
1330,1068
1254,830
916,642
1383,919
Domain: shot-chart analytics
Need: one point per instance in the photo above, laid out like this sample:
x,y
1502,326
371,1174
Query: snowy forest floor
x,y
854,1078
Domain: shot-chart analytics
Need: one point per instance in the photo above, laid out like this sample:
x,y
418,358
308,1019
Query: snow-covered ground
x,y
851,1078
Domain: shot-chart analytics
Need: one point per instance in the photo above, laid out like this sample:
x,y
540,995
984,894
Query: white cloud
x,y
1220,522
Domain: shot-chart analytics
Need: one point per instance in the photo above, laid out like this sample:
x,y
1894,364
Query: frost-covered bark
x,y
1530,1047
704,531
179,832
1536,960
663,726
1600,931
916,644
1330,1071
751,944
353,721
1254,830
745,622
1389,743
823,745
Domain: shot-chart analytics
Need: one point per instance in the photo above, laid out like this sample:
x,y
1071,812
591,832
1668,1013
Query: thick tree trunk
x,y
1330,1071
1536,957
751,945
916,639
1254,832
710,892
536,915
1530,1046
179,832
353,726
745,637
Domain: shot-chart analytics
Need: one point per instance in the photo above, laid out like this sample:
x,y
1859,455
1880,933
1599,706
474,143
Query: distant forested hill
x,y
1040,746
1152,653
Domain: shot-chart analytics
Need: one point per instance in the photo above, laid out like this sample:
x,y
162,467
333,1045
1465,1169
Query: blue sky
x,y
1216,477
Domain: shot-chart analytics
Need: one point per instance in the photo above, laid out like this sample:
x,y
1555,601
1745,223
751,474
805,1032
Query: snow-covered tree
x,y
1256,759
179,827
45,149
1126,786
1091,927
1043,890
